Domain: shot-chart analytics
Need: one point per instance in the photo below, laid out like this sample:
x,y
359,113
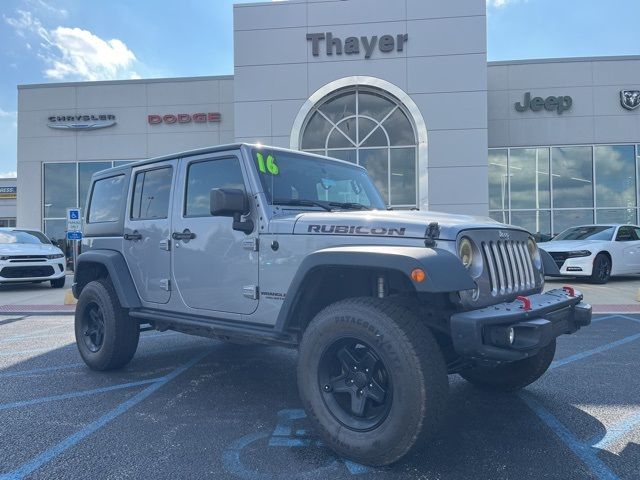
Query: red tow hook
x,y
570,290
526,303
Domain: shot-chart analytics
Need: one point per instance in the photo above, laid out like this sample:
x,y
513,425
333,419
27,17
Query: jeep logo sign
x,y
353,45
551,104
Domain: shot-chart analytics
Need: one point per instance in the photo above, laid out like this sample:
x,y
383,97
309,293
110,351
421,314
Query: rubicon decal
x,y
355,230
211,117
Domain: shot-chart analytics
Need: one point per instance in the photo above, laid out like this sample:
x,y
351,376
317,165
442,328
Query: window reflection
x,y
536,222
563,219
530,180
572,177
615,176
498,180
59,189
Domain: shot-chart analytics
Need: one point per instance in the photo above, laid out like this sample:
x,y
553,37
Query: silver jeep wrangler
x,y
254,244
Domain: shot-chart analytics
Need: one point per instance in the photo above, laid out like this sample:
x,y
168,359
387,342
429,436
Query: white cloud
x,y
46,7
502,3
75,53
4,113
9,175
82,55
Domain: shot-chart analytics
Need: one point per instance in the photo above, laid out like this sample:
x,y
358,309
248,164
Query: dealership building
x,y
402,88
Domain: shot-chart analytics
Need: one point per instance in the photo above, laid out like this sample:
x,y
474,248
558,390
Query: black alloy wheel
x,y
93,327
601,269
355,384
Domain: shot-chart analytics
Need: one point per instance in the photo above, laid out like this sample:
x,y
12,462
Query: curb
x,y
37,310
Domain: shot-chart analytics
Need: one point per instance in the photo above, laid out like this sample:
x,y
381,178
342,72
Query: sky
x,y
73,40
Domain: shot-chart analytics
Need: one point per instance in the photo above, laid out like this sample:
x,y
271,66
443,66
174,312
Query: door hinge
x,y
251,244
250,291
165,284
165,244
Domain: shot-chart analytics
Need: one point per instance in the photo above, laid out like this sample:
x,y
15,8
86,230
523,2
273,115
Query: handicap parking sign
x,y
74,221
74,235
74,215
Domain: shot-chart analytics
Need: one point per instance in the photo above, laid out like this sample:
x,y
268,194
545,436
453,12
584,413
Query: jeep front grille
x,y
509,265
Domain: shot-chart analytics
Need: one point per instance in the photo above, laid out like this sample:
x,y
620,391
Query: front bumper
x,y
483,334
578,266
35,271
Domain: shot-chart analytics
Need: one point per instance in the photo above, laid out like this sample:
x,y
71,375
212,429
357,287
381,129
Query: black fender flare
x,y
118,271
549,266
444,270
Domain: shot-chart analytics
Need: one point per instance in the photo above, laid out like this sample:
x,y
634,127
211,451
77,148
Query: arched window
x,y
369,127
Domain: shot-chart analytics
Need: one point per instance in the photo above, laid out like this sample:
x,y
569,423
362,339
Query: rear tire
x,y
58,282
107,338
372,379
601,269
513,376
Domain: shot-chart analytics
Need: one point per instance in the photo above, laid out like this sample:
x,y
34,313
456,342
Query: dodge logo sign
x,y
185,118
630,99
81,122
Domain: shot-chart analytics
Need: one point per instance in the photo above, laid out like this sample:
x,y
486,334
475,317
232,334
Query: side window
x,y
637,233
202,177
105,200
151,193
625,234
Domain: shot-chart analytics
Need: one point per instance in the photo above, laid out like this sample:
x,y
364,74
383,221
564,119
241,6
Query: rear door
x,y
215,267
147,230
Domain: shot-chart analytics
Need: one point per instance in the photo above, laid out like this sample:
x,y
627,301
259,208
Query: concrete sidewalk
x,y
40,298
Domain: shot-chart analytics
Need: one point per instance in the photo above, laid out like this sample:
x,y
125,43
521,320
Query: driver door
x,y
628,246
215,267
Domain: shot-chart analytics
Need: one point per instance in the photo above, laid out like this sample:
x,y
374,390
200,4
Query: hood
x,y
398,223
568,245
28,249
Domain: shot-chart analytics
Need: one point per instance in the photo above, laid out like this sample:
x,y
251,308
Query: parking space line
x,y
582,451
77,394
629,318
48,455
593,351
617,431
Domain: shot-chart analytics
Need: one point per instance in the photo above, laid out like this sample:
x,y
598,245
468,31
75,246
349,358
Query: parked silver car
x,y
253,244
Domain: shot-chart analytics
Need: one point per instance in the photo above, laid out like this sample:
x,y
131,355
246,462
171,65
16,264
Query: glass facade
x,y
366,126
549,189
66,185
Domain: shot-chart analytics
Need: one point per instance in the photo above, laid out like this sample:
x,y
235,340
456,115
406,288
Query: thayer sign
x,y
355,45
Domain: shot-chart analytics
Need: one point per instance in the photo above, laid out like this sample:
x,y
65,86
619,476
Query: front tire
x,y
601,269
513,376
107,338
372,379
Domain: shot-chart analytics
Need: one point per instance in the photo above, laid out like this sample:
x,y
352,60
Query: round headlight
x,y
465,252
534,253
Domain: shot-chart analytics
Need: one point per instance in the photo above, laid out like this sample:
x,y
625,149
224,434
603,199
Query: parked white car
x,y
596,251
29,256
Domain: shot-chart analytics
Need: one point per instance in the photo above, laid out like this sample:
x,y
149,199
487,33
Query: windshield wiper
x,y
350,205
300,202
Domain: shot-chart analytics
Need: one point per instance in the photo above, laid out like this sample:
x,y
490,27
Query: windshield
x,y
587,233
22,236
297,179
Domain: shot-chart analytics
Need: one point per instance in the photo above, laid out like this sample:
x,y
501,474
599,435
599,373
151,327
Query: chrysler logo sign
x,y
81,122
630,99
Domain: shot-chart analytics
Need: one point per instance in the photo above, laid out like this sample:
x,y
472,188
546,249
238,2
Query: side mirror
x,y
231,202
227,202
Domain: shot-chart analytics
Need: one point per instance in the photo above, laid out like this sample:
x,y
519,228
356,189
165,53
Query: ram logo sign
x,y
630,99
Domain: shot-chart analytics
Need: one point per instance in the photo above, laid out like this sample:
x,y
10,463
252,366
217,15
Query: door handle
x,y
132,236
185,235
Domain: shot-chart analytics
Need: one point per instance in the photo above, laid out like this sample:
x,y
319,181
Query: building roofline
x,y
564,60
121,82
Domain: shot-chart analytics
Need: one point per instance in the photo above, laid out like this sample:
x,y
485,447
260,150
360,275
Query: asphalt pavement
x,y
188,407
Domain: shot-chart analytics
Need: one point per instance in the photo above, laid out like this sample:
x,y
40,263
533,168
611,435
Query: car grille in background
x,y
509,265
26,272
559,258
26,258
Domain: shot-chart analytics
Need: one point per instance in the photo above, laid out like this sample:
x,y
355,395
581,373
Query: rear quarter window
x,y
105,200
